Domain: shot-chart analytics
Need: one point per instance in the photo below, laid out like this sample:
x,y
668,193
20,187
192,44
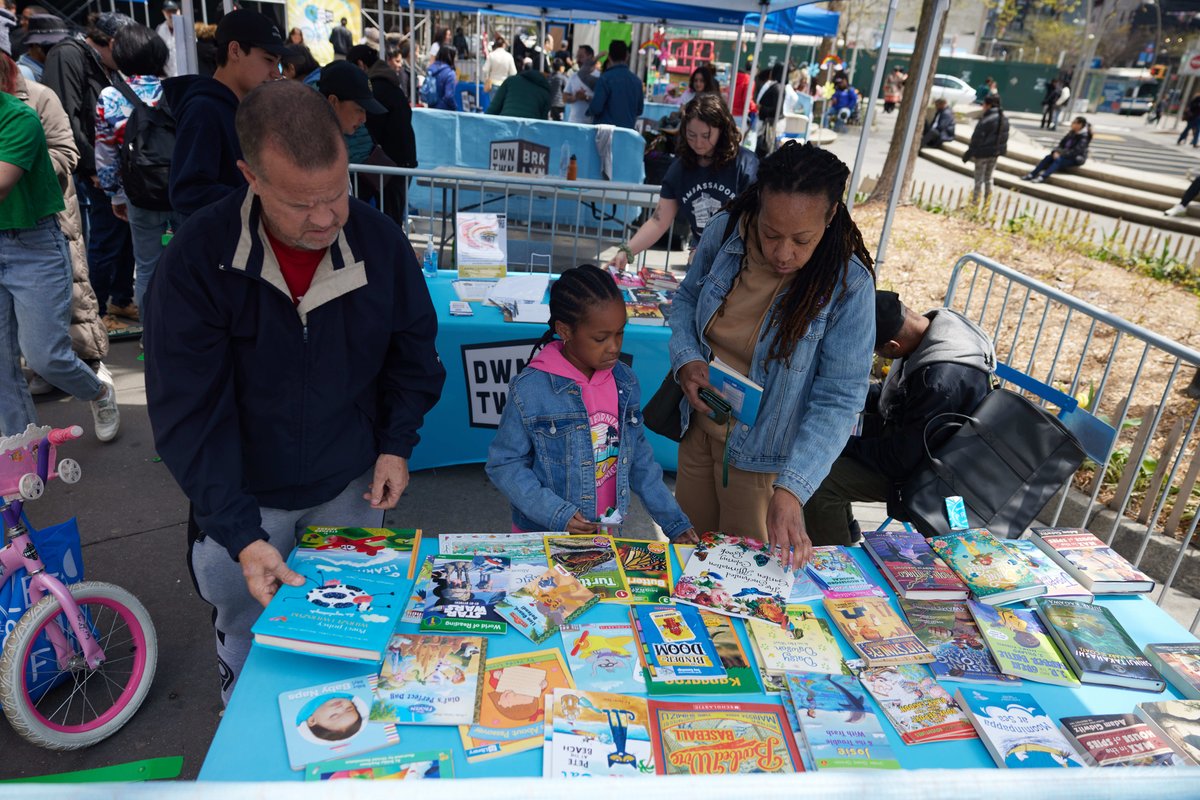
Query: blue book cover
x,y
603,657
338,614
332,720
841,726
463,594
742,394
1017,731
676,644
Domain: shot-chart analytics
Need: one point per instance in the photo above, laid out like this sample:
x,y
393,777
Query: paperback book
x,y
1017,732
640,294
390,767
789,709
739,675
511,709
1095,645
838,575
647,568
1179,664
743,395
387,553
1096,566
736,577
1177,722
722,739
1020,644
526,552
659,279
807,645
1117,740
675,644
645,314
876,632
917,706
1058,581
604,657
331,720
419,594
994,574
839,724
545,604
948,630
463,594
429,679
594,561
597,734
911,567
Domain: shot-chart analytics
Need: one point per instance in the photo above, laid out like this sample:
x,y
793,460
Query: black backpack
x,y
145,154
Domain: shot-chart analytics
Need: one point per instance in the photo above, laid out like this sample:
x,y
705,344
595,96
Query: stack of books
x,y
1091,562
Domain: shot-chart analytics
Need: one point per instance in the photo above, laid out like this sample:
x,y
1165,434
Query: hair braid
x,y
574,293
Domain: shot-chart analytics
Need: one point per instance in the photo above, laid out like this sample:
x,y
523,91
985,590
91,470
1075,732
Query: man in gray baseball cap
x,y
43,32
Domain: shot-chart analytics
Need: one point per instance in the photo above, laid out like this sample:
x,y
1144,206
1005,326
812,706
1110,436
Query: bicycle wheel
x,y
66,709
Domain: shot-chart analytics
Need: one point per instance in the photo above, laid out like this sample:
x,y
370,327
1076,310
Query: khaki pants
x,y
741,507
828,514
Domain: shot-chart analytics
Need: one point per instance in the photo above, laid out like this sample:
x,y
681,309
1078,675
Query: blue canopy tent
x,y
799,21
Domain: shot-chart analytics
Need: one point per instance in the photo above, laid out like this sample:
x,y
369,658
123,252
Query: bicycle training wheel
x,y
73,707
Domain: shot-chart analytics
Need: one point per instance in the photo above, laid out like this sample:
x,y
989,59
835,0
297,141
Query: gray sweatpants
x,y
222,585
984,167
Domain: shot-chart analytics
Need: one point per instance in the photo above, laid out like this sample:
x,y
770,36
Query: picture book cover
x,y
807,645
594,561
1096,646
1058,581
647,569
390,767
840,725
739,675
1177,722
1090,561
743,395
1016,730
876,632
948,630
913,569
1179,664
917,706
675,643
383,552
463,594
526,552
338,615
332,720
604,657
1020,644
419,593
598,733
722,739
736,577
789,709
1110,740
430,679
545,604
994,574
839,575
645,314
511,712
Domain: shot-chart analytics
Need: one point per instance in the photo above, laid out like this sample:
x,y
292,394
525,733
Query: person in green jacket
x,y
526,94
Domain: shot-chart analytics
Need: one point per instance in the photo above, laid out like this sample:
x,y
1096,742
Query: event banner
x,y
316,19
488,368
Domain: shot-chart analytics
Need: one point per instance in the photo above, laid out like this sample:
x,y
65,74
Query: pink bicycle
x,y
79,662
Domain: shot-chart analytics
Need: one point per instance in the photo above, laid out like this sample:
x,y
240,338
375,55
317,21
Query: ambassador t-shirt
x,y
702,191
23,144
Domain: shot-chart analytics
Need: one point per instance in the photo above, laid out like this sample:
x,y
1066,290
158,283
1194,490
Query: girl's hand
x,y
580,526
687,537
692,377
786,535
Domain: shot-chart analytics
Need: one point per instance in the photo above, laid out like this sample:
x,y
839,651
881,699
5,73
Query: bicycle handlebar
x,y
60,436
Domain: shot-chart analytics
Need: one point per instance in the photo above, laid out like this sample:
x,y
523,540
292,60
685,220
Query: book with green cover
x,y
947,629
1020,644
647,568
994,574
739,675
1096,646
378,552
390,767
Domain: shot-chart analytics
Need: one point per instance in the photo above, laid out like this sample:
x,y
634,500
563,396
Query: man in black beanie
x,y
941,362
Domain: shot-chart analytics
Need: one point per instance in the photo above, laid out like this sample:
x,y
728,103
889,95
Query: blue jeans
x,y
109,252
147,228
35,318
1050,165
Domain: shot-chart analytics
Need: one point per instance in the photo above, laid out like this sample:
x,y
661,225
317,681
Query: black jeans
x,y
109,247
828,516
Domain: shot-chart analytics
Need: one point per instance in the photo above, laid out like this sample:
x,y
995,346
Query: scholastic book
x,y
743,395
1096,646
722,739
338,615
1117,740
739,675
546,604
428,765
604,657
1016,730
736,577
1058,581
876,632
948,630
807,645
841,727
675,644
331,720
645,314
1177,722
1020,644
382,552
911,567
593,560
597,734
1090,561
917,706
994,574
1179,664
838,575
647,569
526,552
419,593
430,679
512,707
463,594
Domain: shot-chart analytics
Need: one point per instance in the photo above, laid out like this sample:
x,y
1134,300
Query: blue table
x,y
482,354
249,744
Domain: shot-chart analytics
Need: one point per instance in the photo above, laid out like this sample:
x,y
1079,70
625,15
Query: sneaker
x,y
1028,176
105,413
39,385
1179,210
128,312
1039,179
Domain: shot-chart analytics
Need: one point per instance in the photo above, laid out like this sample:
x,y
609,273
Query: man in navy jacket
x,y
290,360
619,96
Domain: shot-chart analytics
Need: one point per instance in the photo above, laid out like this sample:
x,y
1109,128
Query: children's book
x,y
512,708
948,630
805,589
1095,645
627,280
526,552
1058,581
743,395
682,553
546,604
390,767
994,574
419,593
340,615
736,577
789,709
722,739
739,675
598,733
332,720
384,552
807,645
876,632
838,575
604,657
675,644
1090,561
1016,730
647,568
594,561
463,594
917,706
1177,722
430,679
1020,644
659,279
645,314
640,294
839,723
1117,740
1179,664
911,567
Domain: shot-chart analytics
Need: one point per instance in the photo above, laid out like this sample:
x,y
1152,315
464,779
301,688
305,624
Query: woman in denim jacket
x,y
570,447
784,293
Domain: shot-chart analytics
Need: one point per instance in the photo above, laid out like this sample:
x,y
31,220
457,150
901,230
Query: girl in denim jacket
x,y
570,447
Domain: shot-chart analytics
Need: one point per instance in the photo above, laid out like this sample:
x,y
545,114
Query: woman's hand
x,y
620,261
692,377
687,537
786,535
578,525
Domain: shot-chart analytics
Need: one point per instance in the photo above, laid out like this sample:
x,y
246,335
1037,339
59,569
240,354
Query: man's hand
x,y
390,481
580,525
687,537
264,570
692,377
786,536
120,211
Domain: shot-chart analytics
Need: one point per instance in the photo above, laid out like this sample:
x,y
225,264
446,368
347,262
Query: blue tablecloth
x,y
249,744
482,354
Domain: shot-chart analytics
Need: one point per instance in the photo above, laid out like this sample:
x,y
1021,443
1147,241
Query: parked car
x,y
955,90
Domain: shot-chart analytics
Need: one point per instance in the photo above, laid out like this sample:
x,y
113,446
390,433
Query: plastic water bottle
x,y
429,264
564,159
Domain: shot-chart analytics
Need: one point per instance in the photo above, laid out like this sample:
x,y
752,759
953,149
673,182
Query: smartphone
x,y
719,405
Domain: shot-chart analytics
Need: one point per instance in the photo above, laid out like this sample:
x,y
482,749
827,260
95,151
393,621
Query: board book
x,y
739,674
947,628
1096,566
1117,740
597,734
1177,722
463,594
594,561
917,706
1016,730
386,767
840,725
384,552
647,567
994,574
1095,645
1020,644
331,720
722,739
675,644
911,567
511,709
1179,664
837,574
430,679
604,657
736,577
743,395
1058,581
546,603
876,632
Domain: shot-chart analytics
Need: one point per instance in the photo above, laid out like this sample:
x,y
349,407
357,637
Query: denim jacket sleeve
x,y
843,366
685,344
646,481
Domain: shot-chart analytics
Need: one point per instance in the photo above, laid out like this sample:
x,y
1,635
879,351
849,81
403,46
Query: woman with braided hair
x,y
782,290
